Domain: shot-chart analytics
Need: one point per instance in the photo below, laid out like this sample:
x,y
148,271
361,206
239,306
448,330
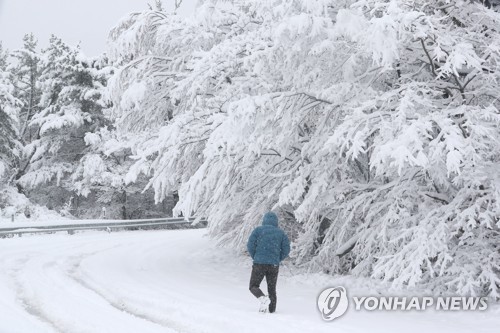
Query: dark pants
x,y
270,272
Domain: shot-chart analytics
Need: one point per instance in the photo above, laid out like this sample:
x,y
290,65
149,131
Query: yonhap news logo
x,y
333,303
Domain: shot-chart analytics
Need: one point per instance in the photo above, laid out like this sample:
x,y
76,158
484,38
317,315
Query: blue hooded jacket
x,y
268,244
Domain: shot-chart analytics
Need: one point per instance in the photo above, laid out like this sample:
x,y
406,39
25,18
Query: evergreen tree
x,y
9,110
26,74
70,105
104,173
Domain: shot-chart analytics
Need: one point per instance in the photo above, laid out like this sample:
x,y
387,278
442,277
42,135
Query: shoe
x,y
264,304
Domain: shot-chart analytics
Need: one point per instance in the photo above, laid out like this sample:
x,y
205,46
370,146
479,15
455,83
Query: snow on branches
x,y
70,105
373,124
9,119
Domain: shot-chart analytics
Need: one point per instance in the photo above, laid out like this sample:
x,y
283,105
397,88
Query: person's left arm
x,y
285,247
252,243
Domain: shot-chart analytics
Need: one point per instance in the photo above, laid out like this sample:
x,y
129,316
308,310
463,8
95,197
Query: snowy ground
x,y
175,281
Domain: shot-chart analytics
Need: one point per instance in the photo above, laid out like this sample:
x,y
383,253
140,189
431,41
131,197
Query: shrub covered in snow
x,y
12,203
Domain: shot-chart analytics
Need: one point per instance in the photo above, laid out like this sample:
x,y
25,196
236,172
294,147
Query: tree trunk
x,y
124,205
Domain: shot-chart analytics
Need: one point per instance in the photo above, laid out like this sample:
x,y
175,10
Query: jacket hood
x,y
270,219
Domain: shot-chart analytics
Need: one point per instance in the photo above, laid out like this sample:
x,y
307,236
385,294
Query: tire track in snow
x,y
45,291
24,301
121,305
178,310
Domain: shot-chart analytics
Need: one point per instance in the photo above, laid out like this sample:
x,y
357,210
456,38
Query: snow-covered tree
x,y
9,111
104,171
70,105
25,76
374,124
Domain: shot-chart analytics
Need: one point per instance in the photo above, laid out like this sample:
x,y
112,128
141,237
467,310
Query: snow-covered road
x,y
174,281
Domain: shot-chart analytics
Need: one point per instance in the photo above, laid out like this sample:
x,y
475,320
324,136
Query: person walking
x,y
268,245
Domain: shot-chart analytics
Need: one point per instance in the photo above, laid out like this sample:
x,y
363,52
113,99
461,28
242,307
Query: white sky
x,y
85,21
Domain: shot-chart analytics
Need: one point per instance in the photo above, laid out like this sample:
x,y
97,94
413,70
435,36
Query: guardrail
x,y
110,225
